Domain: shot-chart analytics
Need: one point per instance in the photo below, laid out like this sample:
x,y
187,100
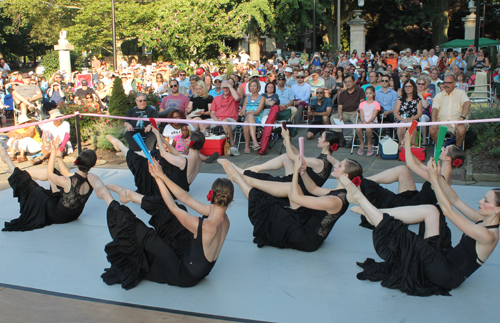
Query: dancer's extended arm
x,y
182,195
312,187
62,166
174,157
293,152
188,221
412,162
477,232
61,181
330,204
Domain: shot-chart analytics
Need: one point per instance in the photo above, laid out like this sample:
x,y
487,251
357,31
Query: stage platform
x,y
247,283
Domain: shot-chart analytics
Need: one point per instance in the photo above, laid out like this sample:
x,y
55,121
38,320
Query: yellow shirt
x,y
450,105
36,136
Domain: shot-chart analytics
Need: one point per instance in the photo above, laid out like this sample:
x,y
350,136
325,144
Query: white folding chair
x,y
378,133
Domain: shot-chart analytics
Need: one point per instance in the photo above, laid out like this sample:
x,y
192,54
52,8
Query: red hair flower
x,y
210,195
191,143
457,162
75,162
356,181
334,147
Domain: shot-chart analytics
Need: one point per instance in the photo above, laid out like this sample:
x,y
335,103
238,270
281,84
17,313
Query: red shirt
x,y
225,107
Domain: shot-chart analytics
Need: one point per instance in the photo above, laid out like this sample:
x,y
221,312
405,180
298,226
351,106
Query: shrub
x,y
118,102
112,127
87,124
488,134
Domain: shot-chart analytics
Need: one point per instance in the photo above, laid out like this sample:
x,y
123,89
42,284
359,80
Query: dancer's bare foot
x,y
122,192
254,169
6,159
353,192
228,168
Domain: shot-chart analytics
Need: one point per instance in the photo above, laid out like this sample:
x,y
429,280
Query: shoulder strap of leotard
x,y
200,226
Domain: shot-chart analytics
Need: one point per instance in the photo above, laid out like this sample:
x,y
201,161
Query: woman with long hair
x,y
65,200
181,249
200,104
408,108
253,110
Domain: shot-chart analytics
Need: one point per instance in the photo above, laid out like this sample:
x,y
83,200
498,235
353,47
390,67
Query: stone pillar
x,y
358,32
64,57
470,24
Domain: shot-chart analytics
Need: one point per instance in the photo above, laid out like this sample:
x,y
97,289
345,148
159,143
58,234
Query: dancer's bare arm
x,y
61,181
62,166
412,162
312,187
330,204
476,232
182,195
174,157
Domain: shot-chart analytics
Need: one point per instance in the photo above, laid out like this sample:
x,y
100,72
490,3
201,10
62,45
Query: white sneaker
x,y
233,151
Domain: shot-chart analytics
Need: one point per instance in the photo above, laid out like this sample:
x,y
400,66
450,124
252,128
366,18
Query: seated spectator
x,y
408,60
82,92
50,131
386,97
330,83
253,111
372,77
255,75
183,80
290,80
271,98
217,90
193,79
174,129
56,97
175,100
145,112
451,105
348,103
225,108
285,96
363,78
208,82
368,112
199,105
91,104
302,94
25,95
319,110
159,85
24,140
435,79
425,95
408,108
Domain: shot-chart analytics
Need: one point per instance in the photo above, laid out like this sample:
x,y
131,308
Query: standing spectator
x,y
5,67
217,90
368,112
225,108
145,112
481,59
470,57
408,60
253,111
302,93
294,61
96,63
433,59
408,108
175,100
442,62
319,110
426,97
451,105
348,103
244,57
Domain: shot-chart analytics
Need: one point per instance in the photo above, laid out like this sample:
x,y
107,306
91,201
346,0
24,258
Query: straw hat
x,y
23,119
55,114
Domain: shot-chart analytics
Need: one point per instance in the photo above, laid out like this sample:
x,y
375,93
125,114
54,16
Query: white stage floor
x,y
247,283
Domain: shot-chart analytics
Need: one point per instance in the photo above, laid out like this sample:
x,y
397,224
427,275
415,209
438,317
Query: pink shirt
x,y
369,109
225,107
179,102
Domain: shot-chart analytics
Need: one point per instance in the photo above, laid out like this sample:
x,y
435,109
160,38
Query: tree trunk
x,y
253,42
331,27
440,22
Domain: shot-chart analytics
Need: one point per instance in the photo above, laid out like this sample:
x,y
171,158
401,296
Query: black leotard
x,y
40,207
280,226
415,265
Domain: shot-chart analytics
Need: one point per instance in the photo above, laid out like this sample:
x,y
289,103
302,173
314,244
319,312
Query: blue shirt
x,y
213,92
285,96
367,85
290,82
302,92
186,83
325,103
386,100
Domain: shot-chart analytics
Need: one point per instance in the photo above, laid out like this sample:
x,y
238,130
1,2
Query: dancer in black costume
x,y
416,265
181,169
450,157
181,249
302,226
63,203
318,168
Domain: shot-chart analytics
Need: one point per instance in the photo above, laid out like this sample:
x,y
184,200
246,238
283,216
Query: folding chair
x,y
376,132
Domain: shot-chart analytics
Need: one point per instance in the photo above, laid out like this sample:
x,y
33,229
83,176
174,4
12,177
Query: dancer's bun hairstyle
x,y
198,139
353,168
86,160
223,192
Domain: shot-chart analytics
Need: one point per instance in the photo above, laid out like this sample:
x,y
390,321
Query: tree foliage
x,y
118,102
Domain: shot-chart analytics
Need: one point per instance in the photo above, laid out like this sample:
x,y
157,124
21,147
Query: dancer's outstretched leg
x,y
118,145
222,162
234,176
100,190
401,174
6,159
125,194
275,163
